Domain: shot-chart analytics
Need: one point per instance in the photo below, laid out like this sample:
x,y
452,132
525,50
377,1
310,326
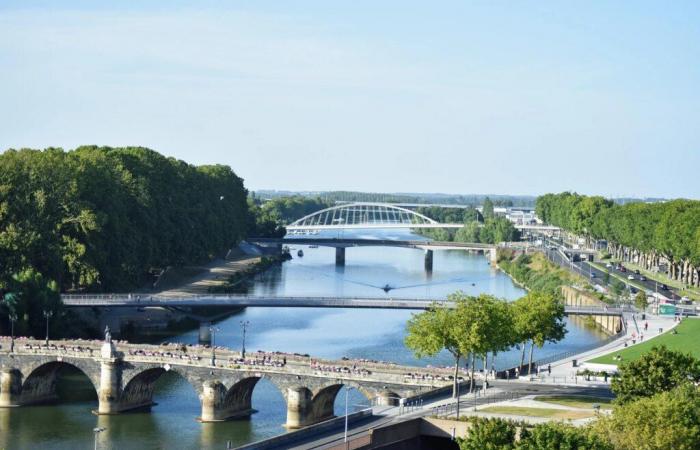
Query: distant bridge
x,y
376,215
274,301
340,244
124,376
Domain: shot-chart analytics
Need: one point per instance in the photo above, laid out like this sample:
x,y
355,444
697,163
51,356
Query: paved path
x,y
213,274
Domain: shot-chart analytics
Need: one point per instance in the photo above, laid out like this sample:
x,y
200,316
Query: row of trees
x,y
477,327
107,219
642,233
657,407
491,231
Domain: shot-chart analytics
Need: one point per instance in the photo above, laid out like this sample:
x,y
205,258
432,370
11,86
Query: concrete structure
x,y
340,244
124,377
244,300
611,324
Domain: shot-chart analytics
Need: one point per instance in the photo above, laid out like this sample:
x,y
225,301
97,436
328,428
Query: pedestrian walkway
x,y
564,371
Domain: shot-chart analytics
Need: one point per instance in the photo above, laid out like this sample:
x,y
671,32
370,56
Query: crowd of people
x,y
339,369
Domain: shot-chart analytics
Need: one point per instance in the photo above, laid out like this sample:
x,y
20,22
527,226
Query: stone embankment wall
x,y
578,297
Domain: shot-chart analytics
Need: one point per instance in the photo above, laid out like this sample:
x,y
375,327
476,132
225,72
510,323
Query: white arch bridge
x,y
374,215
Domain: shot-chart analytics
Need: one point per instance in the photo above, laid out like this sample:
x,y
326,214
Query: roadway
x,y
385,416
586,269
272,301
352,242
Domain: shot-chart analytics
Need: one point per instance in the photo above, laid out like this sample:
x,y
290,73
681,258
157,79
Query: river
x,y
331,333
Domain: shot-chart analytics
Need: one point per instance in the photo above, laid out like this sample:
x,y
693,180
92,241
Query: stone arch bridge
x,y
124,377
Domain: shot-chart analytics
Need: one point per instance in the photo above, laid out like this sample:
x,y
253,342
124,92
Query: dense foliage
x,y
656,371
501,434
535,272
103,218
288,209
491,231
667,420
642,233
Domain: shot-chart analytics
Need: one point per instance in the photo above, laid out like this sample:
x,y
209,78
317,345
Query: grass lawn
x,y
575,401
538,412
687,341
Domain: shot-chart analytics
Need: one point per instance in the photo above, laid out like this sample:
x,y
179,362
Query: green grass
x,y
575,401
687,341
538,412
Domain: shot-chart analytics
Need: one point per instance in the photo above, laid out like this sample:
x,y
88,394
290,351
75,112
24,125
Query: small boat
x,y
313,246
300,253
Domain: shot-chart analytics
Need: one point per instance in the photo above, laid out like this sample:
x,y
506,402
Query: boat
x,y
300,253
313,246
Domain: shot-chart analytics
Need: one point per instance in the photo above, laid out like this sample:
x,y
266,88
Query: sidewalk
x,y
564,372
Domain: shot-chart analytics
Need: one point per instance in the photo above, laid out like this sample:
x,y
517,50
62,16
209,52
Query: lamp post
x,y
345,437
47,315
244,325
13,319
213,330
97,430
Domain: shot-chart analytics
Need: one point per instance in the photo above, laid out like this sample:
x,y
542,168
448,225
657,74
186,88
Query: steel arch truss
x,y
363,215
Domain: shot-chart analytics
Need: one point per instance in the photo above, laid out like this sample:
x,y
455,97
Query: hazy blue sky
x,y
459,97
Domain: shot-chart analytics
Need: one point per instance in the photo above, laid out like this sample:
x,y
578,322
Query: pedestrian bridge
x,y
274,301
124,377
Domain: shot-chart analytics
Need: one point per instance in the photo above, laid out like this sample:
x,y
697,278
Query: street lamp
x,y
97,430
213,330
47,315
244,325
13,319
345,439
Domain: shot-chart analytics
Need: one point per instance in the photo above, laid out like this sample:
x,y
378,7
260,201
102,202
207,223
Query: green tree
x,y
640,300
656,371
556,436
538,318
667,420
487,209
441,328
489,434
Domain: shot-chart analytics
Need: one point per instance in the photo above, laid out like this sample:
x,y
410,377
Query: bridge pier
x,y
340,256
428,262
493,256
10,388
387,398
299,407
108,394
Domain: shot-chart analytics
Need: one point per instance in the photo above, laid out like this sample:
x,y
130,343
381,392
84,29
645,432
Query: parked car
x,y
663,286
608,266
592,275
630,277
636,271
642,278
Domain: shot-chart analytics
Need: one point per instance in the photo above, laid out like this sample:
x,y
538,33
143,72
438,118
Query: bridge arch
x,y
359,214
39,382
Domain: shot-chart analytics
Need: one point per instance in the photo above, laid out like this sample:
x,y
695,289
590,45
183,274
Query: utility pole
x,y
47,315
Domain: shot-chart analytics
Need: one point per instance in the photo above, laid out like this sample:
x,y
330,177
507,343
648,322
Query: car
x,y
633,290
608,266
622,269
642,278
592,275
636,271
630,277
663,286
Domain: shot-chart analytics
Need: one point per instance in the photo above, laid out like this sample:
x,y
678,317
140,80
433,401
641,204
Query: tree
x,y
538,318
556,436
667,420
640,301
441,328
487,209
489,434
656,371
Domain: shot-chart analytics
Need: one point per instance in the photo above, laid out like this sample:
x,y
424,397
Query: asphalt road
x,y
512,388
585,269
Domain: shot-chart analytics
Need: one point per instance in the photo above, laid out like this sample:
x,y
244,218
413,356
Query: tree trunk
x,y
454,384
529,367
522,357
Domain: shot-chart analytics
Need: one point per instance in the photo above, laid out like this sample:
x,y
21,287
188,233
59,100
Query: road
x,y
585,269
514,389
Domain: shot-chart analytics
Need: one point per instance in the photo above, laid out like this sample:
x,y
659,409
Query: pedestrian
x,y
549,368
646,325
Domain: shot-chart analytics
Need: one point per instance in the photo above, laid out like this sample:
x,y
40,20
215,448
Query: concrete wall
x,y
577,297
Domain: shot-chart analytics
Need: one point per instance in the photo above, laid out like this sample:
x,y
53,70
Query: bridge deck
x,y
133,300
351,242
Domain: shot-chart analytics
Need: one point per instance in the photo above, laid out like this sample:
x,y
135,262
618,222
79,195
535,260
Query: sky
x,y
460,97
